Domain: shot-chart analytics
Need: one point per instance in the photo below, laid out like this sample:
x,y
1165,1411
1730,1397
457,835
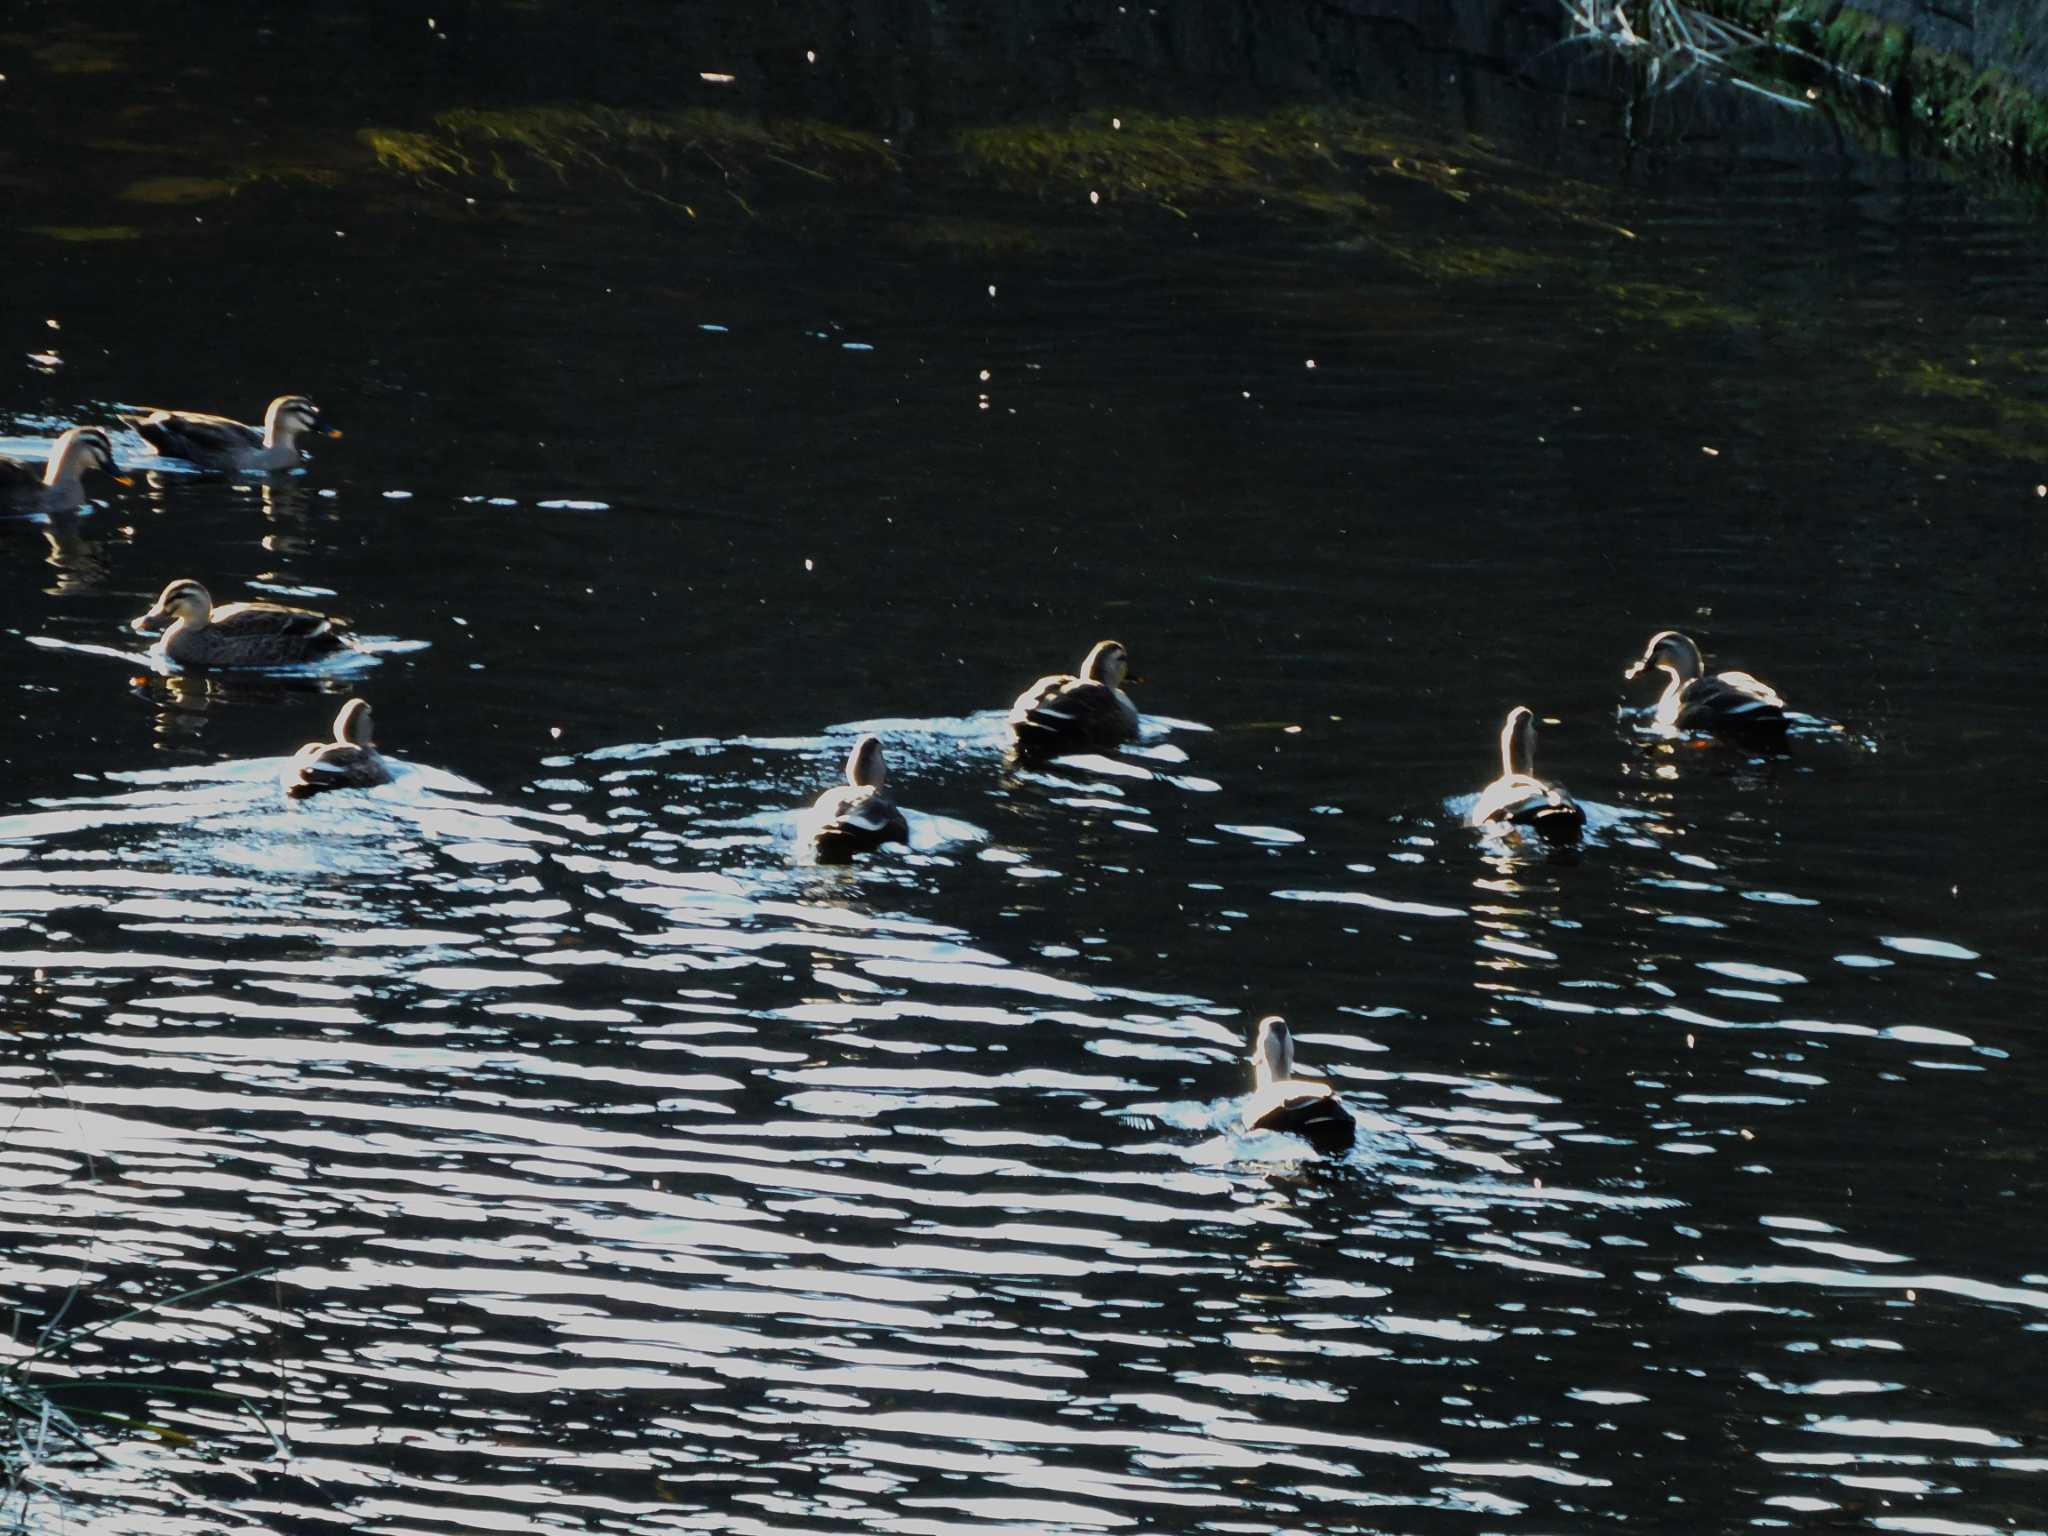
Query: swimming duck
x,y
197,634
1280,1101
55,486
1063,713
1733,705
350,761
859,816
218,442
1518,798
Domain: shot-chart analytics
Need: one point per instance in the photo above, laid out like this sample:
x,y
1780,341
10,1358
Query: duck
x,y
1066,712
858,816
219,442
1280,1101
1731,705
55,486
197,634
1518,798
350,761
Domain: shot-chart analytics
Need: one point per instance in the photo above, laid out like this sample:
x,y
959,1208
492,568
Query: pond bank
x,y
1977,81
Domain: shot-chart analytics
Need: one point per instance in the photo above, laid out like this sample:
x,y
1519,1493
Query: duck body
x,y
58,485
220,442
1068,712
858,816
1734,706
349,761
197,634
1520,799
1280,1101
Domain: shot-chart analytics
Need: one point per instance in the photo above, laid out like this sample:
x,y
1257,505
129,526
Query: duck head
x,y
182,601
291,417
1109,664
866,768
83,450
1674,652
1272,1051
352,725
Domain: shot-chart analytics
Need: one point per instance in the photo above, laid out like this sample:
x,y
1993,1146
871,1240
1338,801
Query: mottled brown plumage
x,y
350,761
1518,798
197,634
57,485
858,816
1280,1101
220,442
1732,705
1067,713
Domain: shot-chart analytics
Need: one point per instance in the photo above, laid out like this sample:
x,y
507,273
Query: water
x,y
579,1158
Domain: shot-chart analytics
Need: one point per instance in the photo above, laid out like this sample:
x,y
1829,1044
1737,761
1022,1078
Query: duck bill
x,y
1635,671
333,432
152,622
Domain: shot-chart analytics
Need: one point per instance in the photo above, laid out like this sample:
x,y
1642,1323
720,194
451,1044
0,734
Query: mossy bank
x,y
1975,76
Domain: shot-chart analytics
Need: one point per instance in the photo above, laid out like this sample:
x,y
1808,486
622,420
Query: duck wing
x,y
1305,1109
196,436
1732,703
321,766
856,820
1517,799
1056,713
240,620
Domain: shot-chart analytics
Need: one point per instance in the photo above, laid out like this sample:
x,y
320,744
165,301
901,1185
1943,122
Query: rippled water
x,y
577,1157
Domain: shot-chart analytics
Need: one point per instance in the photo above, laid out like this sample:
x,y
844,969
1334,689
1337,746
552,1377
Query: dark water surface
x,y
616,1171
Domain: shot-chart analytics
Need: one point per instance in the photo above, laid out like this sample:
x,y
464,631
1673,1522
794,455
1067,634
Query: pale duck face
x,y
1109,663
181,602
1672,651
83,450
291,417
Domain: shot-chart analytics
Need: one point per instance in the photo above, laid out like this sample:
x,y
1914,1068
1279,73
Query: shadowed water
x,y
581,1157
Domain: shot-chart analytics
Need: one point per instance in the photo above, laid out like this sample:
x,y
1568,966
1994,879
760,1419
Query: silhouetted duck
x,y
858,816
1732,705
55,486
197,634
350,761
219,442
1280,1101
1518,798
1064,713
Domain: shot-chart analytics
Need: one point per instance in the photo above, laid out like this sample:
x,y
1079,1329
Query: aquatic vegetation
x,y
1300,158
972,237
653,154
176,191
85,234
1674,307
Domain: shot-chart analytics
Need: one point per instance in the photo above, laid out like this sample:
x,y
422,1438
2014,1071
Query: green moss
x,y
414,154
81,234
177,189
1447,261
1674,307
1866,46
73,56
1305,159
669,157
1926,442
971,237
